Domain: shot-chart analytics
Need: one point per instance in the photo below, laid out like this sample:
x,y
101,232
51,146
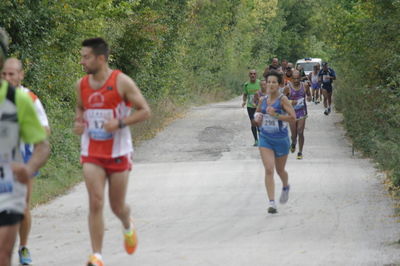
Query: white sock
x,y
127,230
98,255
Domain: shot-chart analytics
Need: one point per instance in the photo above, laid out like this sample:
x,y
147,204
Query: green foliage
x,y
177,51
46,37
181,51
366,40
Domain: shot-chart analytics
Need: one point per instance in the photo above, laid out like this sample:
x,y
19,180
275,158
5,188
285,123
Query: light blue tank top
x,y
272,127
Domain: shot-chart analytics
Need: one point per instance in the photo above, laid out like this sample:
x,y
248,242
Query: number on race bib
x,y
270,124
96,119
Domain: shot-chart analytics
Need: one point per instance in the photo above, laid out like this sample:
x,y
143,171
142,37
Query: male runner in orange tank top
x,y
104,101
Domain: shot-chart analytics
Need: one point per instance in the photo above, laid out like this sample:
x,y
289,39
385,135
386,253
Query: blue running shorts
x,y
279,146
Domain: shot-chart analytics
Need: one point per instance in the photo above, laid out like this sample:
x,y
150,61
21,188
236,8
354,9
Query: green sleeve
x,y
245,91
31,130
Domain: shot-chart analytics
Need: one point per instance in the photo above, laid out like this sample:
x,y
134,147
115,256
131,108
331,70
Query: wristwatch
x,y
121,124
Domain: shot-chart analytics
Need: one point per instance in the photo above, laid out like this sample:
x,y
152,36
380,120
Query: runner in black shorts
x,y
326,76
249,90
17,122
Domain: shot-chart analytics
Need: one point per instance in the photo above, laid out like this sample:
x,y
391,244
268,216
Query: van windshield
x,y
308,67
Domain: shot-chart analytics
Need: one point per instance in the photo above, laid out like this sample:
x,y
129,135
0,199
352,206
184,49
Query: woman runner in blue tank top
x,y
273,113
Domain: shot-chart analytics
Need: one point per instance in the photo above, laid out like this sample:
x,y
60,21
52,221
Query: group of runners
x,y
276,103
105,98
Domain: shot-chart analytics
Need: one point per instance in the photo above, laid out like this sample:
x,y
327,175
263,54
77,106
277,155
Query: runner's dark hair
x,y
98,45
274,73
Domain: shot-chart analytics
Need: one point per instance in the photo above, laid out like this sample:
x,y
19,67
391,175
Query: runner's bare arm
x,y
256,98
291,114
39,157
48,130
286,92
79,125
308,92
259,104
24,172
258,114
131,93
244,99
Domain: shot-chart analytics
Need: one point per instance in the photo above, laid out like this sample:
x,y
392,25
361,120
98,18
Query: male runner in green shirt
x,y
249,90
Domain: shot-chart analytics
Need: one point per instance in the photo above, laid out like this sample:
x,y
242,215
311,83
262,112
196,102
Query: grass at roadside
x,y
54,180
372,121
60,173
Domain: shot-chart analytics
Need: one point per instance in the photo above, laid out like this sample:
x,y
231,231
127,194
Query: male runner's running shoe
x,y
329,110
24,256
255,143
130,240
299,156
284,195
326,112
94,261
292,148
272,207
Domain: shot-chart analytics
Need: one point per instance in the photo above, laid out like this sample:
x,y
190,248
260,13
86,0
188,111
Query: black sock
x,y
254,130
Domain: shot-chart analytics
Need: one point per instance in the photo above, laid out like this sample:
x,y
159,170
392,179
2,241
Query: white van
x,y
308,64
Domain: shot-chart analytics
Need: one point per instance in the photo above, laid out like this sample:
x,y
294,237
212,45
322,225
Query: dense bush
x,y
366,41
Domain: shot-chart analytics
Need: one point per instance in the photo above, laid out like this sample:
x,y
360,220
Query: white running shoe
x,y
284,195
272,207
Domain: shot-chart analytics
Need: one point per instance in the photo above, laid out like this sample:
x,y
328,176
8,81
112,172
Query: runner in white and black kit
x,y
327,75
13,73
315,84
18,121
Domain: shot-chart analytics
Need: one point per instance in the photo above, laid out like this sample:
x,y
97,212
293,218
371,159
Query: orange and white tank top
x,y
101,105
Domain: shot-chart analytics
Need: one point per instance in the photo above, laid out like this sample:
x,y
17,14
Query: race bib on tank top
x,y
270,124
96,119
299,104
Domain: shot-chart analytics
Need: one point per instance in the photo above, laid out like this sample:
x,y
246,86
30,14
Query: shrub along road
x,y
198,198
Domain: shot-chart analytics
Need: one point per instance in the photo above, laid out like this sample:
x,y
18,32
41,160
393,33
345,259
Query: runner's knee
x,y
96,203
118,209
269,171
281,172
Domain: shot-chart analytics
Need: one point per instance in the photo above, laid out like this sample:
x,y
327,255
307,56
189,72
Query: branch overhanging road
x,y
198,198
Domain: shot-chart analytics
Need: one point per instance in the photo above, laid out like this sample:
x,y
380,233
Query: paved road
x,y
198,198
